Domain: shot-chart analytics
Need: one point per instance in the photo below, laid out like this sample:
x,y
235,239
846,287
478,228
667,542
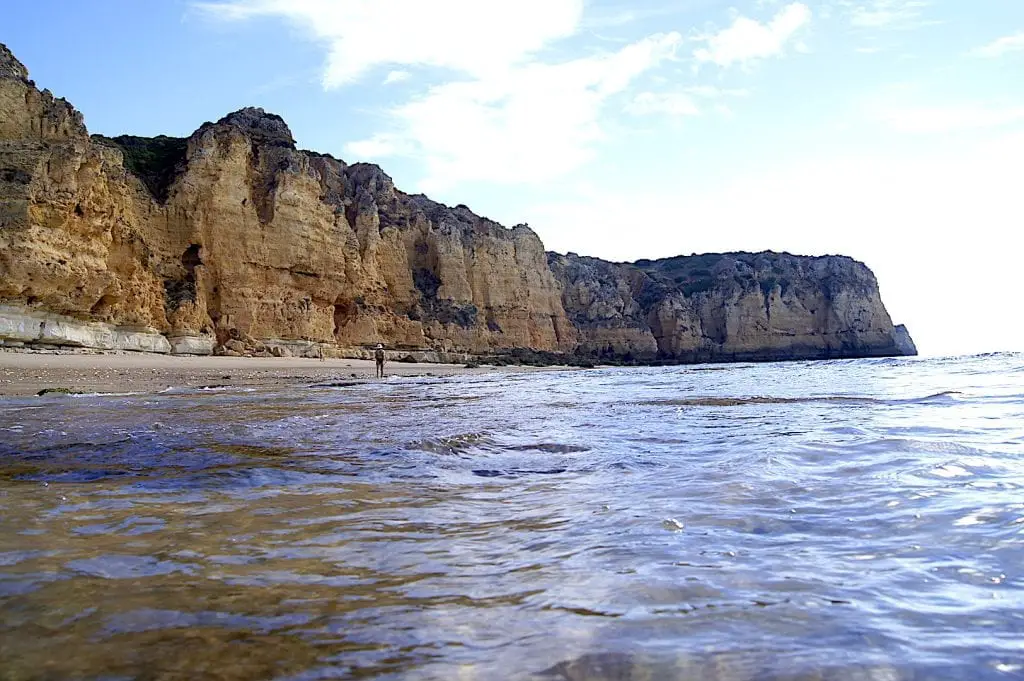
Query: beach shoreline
x,y
28,373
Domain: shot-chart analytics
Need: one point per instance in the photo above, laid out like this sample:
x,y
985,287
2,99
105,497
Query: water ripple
x,y
835,520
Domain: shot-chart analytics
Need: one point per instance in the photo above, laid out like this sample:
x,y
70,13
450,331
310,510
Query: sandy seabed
x,y
23,373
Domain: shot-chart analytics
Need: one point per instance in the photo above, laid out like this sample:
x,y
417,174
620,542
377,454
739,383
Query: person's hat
x,y
380,346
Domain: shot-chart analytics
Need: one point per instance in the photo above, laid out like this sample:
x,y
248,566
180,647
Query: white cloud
x,y
748,41
610,14
939,119
724,110
1004,45
468,36
396,77
671,103
381,145
682,103
712,92
504,114
885,13
533,122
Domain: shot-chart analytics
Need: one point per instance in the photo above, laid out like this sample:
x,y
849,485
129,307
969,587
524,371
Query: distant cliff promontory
x,y
235,241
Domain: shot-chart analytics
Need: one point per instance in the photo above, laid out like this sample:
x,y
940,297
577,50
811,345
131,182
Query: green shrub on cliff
x,y
154,160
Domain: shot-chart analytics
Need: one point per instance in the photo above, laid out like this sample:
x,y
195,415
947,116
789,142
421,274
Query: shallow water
x,y
838,520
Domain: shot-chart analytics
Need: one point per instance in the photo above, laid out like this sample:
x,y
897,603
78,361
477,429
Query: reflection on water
x,y
840,520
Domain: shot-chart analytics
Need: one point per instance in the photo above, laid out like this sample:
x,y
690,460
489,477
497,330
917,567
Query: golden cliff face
x,y
71,241
236,233
280,243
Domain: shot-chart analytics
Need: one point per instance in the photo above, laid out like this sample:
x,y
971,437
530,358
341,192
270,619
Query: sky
x,y
891,131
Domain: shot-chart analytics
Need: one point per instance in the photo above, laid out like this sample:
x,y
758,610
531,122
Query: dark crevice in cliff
x,y
190,260
102,306
442,310
179,291
346,310
492,322
14,176
426,282
450,312
292,270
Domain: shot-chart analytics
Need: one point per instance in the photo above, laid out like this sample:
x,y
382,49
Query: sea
x,y
841,520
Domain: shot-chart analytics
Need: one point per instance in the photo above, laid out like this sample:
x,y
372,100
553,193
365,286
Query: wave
x,y
809,399
457,445
937,397
550,448
516,472
745,401
64,394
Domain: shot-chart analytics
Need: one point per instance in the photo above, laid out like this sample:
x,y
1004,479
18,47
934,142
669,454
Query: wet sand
x,y
28,373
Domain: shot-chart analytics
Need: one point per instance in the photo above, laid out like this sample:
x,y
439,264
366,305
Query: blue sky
x,y
888,130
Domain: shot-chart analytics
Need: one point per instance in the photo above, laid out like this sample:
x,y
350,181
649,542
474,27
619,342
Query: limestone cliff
x,y
726,307
71,237
235,234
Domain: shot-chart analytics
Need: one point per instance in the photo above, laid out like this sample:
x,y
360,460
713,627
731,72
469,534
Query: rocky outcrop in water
x,y
234,232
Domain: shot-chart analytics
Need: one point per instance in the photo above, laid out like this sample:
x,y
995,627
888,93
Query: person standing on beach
x,y
378,357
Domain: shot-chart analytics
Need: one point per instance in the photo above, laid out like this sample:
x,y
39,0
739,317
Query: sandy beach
x,y
27,373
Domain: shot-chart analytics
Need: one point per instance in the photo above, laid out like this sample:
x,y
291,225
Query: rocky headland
x,y
235,242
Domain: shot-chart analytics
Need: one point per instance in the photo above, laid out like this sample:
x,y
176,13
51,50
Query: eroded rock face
x,y
71,239
22,326
904,343
726,307
281,243
602,300
235,233
192,345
